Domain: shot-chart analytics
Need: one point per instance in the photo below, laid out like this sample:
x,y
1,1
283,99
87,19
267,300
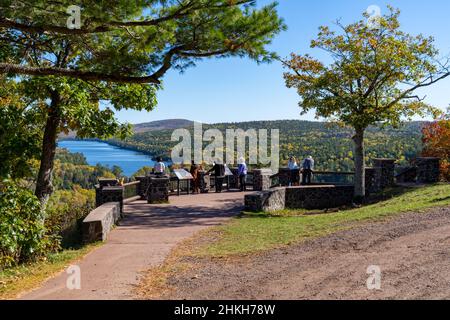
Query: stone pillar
x,y
108,182
205,181
428,170
234,179
371,185
158,190
109,194
261,179
384,173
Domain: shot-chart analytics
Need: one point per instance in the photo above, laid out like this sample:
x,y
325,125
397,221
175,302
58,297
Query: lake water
x,y
108,155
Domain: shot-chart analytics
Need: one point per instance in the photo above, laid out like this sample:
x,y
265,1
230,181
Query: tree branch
x,y
183,11
83,75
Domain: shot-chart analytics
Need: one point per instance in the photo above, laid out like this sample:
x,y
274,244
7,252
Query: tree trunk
x,y
44,186
360,167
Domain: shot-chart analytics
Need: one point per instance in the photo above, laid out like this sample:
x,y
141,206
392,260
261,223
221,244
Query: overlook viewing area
x,y
152,215
267,191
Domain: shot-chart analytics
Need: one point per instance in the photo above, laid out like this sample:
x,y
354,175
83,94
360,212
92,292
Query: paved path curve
x,y
143,239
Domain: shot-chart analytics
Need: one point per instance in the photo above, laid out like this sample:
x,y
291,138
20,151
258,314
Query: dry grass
x,y
26,277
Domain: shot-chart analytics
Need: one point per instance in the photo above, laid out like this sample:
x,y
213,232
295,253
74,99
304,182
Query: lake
x,y
108,155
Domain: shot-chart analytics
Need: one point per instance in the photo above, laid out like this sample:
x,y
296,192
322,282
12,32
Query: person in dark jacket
x,y
195,172
307,170
219,175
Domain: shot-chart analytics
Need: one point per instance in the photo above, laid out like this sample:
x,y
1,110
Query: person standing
x,y
307,170
294,176
219,175
160,167
195,172
242,173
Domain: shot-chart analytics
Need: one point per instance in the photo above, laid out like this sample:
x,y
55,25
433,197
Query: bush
x,y
65,213
22,232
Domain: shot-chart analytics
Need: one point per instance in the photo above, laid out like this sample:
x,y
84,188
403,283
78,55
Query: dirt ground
x,y
412,251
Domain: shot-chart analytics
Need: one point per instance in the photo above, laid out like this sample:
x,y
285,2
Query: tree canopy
x,y
372,78
436,140
117,51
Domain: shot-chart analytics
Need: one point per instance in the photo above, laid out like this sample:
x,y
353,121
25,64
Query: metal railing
x,y
333,177
318,177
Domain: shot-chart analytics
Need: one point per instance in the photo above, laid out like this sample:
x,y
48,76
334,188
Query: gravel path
x,y
412,251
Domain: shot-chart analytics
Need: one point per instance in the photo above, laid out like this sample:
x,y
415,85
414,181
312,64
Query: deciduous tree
x,y
371,79
119,53
436,140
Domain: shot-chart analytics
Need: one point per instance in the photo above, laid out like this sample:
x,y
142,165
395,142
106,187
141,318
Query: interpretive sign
x,y
228,172
183,174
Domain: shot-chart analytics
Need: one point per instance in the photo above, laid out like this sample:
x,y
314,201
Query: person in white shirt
x,y
292,164
294,174
160,167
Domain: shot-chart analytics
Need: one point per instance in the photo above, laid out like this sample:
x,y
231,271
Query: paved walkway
x,y
143,239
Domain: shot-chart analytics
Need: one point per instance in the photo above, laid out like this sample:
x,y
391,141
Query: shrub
x,y
65,212
22,232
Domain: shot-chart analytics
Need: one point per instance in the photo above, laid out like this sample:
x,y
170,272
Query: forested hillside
x,y
329,144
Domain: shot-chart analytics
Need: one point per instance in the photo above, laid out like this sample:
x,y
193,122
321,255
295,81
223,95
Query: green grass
x,y
25,277
253,233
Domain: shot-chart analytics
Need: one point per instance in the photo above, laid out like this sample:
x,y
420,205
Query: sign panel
x,y
228,172
183,174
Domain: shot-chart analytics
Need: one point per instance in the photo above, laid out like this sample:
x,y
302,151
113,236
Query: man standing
x,y
219,175
307,170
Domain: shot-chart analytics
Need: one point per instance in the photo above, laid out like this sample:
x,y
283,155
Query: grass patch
x,y
256,232
25,277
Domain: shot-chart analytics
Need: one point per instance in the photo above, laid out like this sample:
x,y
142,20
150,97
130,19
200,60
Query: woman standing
x,y
242,173
294,171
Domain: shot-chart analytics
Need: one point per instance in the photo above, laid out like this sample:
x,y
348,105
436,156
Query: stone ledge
x,y
97,225
303,197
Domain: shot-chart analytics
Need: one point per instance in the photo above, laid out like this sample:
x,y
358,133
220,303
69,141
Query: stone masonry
x,y
427,170
97,225
158,190
303,197
109,194
261,179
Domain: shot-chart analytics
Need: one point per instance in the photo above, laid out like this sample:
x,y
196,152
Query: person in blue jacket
x,y
242,174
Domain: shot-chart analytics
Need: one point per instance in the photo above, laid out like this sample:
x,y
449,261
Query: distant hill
x,y
330,145
169,124
162,125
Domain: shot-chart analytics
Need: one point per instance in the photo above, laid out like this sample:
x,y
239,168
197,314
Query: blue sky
x,y
227,90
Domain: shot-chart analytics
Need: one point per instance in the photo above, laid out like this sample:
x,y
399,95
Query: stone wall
x,y
371,185
428,170
97,225
385,172
158,190
303,197
319,197
109,194
261,179
266,201
406,175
